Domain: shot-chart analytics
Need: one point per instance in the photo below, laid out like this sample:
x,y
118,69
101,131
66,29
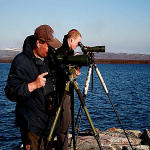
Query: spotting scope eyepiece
x,y
91,49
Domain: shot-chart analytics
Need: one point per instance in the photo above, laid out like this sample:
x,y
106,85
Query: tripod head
x,y
72,72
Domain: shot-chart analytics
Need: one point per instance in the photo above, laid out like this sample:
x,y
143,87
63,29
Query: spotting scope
x,y
86,49
82,60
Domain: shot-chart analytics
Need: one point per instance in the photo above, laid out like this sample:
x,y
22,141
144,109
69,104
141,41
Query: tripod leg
x,y
85,90
58,112
77,128
106,91
86,86
101,79
92,78
96,135
72,116
56,118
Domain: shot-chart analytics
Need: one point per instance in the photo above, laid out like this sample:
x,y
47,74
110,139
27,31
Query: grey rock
x,y
114,139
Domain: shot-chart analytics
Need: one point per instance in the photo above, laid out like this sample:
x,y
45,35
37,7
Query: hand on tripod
x,y
78,72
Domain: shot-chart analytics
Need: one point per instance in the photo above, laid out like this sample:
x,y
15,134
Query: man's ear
x,y
38,44
70,40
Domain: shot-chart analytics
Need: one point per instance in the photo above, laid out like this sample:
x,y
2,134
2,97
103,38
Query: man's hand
x,y
38,83
77,72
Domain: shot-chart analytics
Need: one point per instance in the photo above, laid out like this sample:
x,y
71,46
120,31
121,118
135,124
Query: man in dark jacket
x,y
70,43
33,92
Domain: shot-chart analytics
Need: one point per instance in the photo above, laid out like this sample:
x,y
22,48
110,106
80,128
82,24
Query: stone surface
x,y
113,139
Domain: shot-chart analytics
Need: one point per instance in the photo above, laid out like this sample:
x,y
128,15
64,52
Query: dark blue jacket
x,y
31,107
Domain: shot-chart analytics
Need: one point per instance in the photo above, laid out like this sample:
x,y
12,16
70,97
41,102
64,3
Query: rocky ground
x,y
114,139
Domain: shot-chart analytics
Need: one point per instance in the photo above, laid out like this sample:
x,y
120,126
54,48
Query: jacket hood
x,y
28,46
65,46
65,42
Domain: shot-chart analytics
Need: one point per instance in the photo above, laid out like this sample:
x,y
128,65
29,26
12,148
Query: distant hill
x,y
122,56
8,55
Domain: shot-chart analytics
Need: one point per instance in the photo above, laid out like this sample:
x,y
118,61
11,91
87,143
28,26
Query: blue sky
x,y
123,26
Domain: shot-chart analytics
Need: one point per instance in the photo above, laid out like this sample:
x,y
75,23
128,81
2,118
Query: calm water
x,y
128,86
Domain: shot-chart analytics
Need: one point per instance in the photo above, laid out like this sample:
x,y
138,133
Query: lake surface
x,y
129,89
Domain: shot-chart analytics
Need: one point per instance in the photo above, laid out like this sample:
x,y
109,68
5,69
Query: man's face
x,y
42,49
74,43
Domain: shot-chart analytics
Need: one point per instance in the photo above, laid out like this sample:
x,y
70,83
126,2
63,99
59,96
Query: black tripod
x,y
72,82
90,71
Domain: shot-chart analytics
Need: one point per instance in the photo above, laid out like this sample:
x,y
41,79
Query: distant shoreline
x,y
5,61
105,61
6,56
120,61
